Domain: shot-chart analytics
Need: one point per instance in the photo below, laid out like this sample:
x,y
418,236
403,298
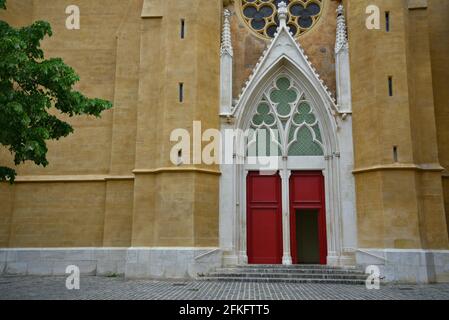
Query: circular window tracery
x,y
261,15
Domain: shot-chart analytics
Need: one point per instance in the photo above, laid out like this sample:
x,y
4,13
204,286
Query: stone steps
x,y
293,266
287,271
287,280
290,274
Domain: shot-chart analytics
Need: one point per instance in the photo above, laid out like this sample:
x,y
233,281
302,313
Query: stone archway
x,y
322,133
285,57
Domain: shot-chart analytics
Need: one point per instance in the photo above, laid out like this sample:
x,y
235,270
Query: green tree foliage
x,y
30,86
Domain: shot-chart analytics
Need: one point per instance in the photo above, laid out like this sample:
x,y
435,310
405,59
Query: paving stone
x,y
92,288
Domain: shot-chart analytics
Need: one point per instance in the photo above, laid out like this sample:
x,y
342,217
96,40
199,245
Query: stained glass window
x,y
284,123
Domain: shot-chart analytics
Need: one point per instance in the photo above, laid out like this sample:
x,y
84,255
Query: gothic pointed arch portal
x,y
301,133
261,215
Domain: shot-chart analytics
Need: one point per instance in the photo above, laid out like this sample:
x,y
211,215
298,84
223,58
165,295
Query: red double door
x,y
307,218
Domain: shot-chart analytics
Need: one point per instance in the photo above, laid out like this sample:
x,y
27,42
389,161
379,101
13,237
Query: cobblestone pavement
x,y
53,288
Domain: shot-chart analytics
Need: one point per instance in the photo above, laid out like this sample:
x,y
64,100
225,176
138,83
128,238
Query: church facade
x,y
332,121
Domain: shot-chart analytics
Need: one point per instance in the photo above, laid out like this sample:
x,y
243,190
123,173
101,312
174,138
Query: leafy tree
x,y
30,86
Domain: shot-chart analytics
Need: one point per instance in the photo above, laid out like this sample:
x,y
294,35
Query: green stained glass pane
x,y
304,145
266,143
283,84
304,115
264,115
298,119
270,120
304,108
251,148
291,134
316,129
263,108
283,96
257,120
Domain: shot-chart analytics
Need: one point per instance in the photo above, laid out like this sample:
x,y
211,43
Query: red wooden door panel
x,y
306,194
264,219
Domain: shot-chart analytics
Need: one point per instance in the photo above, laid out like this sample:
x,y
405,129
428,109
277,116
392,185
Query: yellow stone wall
x,y
399,204
439,51
111,183
58,214
176,214
6,209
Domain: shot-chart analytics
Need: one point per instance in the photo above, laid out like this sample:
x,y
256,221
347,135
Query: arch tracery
x,y
286,115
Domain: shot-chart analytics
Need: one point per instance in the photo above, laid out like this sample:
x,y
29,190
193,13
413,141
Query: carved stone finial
x,y
282,14
227,13
340,9
226,41
342,36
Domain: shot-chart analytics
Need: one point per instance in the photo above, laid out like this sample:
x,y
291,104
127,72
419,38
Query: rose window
x,y
261,15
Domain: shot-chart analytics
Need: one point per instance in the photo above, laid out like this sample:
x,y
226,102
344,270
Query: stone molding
x,y
152,9
401,166
102,178
70,178
172,170
417,4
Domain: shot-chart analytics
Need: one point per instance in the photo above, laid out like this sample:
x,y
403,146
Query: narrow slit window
x,y
183,28
181,92
387,21
395,154
390,86
179,157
